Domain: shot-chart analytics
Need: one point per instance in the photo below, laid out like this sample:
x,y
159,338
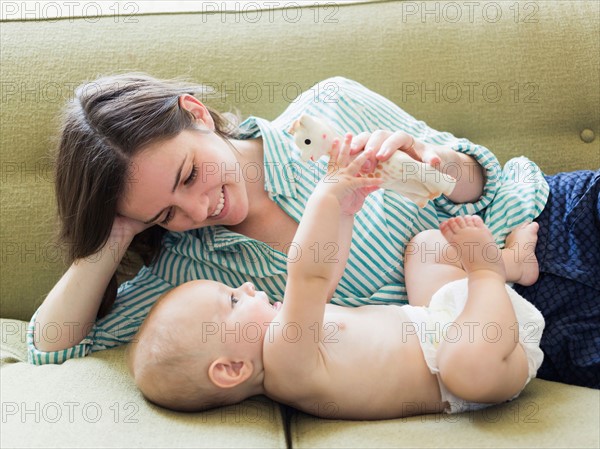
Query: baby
x,y
466,340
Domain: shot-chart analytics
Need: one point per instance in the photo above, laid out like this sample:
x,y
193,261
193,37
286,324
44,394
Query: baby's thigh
x,y
429,263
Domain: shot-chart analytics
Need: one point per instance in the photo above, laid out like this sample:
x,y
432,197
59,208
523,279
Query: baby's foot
x,y
476,246
520,254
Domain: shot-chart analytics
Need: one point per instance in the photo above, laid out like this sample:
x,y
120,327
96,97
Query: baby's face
x,y
239,316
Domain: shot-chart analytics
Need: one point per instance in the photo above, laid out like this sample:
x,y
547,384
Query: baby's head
x,y
201,346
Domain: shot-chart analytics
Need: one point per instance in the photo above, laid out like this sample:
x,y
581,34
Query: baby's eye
x,y
234,300
307,142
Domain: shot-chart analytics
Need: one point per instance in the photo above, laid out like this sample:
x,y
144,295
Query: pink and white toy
x,y
417,181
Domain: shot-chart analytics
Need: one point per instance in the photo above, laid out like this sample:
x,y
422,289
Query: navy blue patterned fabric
x,y
568,290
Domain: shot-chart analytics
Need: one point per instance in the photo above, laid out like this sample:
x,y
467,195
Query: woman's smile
x,y
220,210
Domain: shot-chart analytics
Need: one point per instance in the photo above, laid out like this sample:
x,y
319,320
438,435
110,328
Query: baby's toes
x,y
457,223
469,221
478,221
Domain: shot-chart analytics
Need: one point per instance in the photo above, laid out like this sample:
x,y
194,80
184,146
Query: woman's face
x,y
186,182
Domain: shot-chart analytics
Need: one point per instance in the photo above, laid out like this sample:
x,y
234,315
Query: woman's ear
x,y
227,373
197,108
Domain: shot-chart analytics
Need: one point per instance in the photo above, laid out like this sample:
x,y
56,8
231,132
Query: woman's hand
x,y
385,143
344,180
125,229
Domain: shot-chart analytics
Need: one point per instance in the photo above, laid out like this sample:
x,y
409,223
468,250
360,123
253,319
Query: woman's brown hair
x,y
108,121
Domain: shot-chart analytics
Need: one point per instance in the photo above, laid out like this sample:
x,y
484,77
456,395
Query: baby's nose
x,y
249,288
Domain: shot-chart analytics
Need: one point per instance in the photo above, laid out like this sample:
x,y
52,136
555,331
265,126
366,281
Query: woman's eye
x,y
192,176
234,300
189,180
168,218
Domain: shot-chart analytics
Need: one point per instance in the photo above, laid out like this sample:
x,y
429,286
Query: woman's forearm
x,y
69,311
467,171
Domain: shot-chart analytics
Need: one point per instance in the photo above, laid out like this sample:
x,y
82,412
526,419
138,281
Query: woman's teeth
x,y
221,204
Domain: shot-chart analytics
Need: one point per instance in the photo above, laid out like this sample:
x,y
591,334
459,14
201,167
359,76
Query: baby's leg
x,y
486,363
518,255
430,262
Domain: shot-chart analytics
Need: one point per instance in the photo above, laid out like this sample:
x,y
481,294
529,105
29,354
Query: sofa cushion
x,y
546,414
93,402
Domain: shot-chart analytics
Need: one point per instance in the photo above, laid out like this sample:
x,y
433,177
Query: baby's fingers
x,y
355,166
344,154
334,154
366,185
335,150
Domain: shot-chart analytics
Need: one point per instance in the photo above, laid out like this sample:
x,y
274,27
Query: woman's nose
x,y
196,207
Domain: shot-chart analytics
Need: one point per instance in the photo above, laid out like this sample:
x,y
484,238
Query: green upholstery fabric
x,y
547,414
93,402
520,87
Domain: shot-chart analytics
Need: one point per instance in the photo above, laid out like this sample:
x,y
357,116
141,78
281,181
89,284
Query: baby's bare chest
x,y
375,333
376,361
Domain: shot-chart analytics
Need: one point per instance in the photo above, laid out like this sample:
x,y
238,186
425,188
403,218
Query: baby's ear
x,y
228,373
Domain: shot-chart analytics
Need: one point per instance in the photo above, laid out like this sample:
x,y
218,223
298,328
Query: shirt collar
x,y
281,167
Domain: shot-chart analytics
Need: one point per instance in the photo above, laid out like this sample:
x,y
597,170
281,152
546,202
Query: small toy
x,y
417,181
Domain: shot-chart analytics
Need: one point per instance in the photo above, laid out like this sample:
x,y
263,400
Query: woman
x,y
139,157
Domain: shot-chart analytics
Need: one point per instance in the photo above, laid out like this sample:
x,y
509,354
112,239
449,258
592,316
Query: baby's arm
x,y
338,251
328,219
325,231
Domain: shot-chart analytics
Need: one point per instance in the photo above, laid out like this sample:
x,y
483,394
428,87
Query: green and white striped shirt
x,y
375,270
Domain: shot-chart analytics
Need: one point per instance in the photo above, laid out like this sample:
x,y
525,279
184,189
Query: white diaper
x,y
435,323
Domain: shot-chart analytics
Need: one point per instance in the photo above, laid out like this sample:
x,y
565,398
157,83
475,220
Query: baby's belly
x,y
377,364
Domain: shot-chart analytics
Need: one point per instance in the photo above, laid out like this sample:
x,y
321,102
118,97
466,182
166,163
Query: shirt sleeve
x,y
492,172
522,195
134,300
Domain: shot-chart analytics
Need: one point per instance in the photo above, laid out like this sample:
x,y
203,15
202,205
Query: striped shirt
x,y
375,269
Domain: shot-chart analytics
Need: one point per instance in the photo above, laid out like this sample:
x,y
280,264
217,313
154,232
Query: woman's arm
x,y
469,174
464,168
69,311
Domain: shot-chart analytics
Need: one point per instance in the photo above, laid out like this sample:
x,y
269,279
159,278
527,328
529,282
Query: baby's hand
x,y
344,180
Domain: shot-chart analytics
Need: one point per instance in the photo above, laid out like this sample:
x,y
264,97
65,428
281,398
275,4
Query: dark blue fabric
x,y
568,290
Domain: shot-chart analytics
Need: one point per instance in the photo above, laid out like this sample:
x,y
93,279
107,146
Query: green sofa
x,y
521,78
